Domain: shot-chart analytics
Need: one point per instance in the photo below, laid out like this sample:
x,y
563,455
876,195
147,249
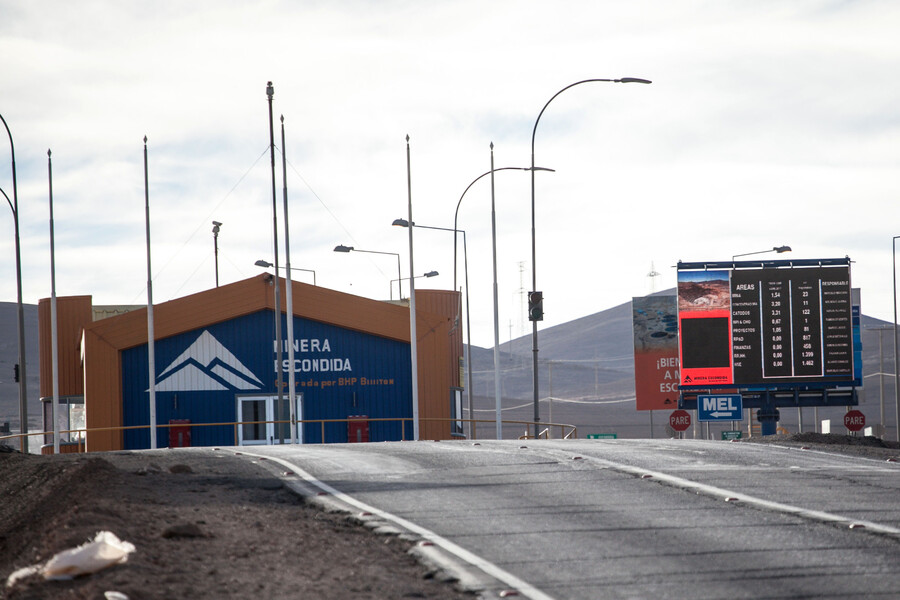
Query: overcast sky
x,y
767,123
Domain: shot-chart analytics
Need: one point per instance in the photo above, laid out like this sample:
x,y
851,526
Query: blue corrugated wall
x,y
201,373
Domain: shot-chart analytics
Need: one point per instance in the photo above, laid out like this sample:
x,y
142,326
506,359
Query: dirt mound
x,y
206,525
866,446
41,496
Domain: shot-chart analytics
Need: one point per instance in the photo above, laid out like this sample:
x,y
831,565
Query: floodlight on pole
x,y
270,92
215,232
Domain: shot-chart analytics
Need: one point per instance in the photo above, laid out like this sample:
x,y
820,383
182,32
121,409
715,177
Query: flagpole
x,y
497,382
151,349
54,338
412,307
292,393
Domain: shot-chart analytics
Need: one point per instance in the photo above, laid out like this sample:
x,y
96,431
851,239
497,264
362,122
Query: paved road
x,y
636,518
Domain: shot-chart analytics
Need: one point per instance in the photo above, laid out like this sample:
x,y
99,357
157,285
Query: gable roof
x,y
253,295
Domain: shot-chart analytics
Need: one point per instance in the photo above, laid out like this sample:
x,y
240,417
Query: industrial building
x,y
215,367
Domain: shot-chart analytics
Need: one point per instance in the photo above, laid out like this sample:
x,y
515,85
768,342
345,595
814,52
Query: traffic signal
x,y
535,306
16,372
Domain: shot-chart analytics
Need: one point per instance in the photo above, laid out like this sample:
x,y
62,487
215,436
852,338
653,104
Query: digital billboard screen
x,y
776,324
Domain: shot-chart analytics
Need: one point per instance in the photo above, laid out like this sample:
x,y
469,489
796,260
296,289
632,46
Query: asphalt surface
x,y
627,518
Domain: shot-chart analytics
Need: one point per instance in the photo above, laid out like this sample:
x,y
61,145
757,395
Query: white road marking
x,y
721,493
523,587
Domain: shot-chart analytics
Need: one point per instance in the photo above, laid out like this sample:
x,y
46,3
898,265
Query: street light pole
x,y
469,389
14,205
343,248
534,329
468,337
778,249
266,264
428,274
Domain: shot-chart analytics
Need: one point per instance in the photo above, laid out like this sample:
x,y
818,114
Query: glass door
x,y
257,414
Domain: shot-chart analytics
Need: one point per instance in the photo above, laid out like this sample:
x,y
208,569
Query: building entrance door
x,y
257,416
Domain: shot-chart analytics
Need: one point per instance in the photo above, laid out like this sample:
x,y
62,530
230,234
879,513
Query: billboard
x,y
655,327
765,324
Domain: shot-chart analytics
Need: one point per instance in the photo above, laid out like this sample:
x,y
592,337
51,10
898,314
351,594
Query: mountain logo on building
x,y
206,366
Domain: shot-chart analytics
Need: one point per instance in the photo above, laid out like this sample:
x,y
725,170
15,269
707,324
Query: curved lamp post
x,y
534,331
14,205
343,248
778,249
266,264
468,360
428,274
494,245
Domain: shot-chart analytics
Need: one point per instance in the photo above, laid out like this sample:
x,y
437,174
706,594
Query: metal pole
x,y
881,376
534,323
292,393
399,281
896,356
550,396
412,306
216,249
20,312
279,367
468,338
469,391
497,395
534,329
151,347
54,338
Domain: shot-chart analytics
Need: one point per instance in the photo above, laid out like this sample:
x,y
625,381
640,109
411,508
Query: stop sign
x,y
680,420
854,420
